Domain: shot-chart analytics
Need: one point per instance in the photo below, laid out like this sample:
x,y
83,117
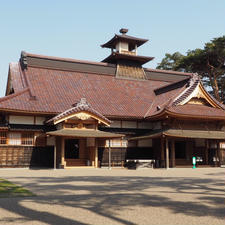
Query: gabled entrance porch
x,y
77,135
78,147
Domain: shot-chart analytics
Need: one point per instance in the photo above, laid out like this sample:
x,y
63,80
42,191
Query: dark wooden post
x,y
63,162
206,151
218,153
162,152
173,153
167,154
109,154
55,155
96,153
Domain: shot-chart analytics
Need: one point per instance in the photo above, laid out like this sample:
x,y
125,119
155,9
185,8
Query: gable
x,y
200,97
81,111
84,116
198,101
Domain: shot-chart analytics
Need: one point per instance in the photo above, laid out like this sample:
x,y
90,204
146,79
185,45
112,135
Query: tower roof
x,y
126,38
115,56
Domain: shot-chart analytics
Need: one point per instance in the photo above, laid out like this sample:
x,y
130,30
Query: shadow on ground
x,y
104,196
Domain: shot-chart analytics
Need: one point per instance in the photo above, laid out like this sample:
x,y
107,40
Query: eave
x,y
165,114
115,56
126,38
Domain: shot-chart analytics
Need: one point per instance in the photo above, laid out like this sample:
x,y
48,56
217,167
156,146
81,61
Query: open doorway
x,y
72,149
181,153
180,150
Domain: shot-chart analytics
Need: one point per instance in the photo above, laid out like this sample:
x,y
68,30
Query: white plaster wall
x,y
40,120
116,124
129,124
21,119
124,46
145,125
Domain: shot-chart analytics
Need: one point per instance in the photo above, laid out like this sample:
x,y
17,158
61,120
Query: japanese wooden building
x,y
60,112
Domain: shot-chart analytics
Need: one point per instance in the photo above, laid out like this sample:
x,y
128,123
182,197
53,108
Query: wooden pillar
x,y
173,153
55,156
109,154
63,163
207,151
162,152
96,154
167,154
217,153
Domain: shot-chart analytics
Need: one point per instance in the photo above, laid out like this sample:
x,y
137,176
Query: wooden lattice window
x,y
14,138
3,137
27,139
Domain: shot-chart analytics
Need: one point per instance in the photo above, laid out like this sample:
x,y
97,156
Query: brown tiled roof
x,y
54,90
162,101
22,101
172,105
200,111
57,90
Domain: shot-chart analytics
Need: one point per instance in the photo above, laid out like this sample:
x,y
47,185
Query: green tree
x,y
170,62
208,62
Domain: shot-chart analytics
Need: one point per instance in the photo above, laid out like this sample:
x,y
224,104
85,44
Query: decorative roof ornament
x,y
123,30
23,60
82,103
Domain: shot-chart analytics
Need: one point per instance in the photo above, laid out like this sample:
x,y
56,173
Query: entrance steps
x,y
76,162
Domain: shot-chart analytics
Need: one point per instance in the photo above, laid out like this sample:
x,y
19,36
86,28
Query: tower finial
x,y
123,30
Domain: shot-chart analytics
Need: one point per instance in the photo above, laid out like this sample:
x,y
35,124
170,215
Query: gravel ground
x,y
117,196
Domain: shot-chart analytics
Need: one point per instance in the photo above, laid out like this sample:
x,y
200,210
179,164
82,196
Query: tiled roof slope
x,y
200,111
43,88
17,77
172,105
56,91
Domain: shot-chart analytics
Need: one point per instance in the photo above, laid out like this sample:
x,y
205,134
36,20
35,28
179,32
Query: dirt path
x,y
117,196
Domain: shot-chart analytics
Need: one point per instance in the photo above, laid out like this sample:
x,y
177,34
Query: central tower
x,y
124,55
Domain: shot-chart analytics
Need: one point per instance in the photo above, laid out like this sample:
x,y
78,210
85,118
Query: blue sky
x,y
76,29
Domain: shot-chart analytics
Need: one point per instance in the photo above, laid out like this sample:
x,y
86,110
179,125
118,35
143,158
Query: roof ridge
x,y
193,83
169,71
67,59
29,86
22,76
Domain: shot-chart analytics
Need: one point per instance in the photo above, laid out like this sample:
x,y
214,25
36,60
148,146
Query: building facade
x,y
61,113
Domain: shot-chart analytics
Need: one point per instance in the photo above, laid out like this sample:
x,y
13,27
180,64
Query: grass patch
x,y
8,189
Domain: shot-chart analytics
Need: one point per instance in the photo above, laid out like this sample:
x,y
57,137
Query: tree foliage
x,y
170,61
208,62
